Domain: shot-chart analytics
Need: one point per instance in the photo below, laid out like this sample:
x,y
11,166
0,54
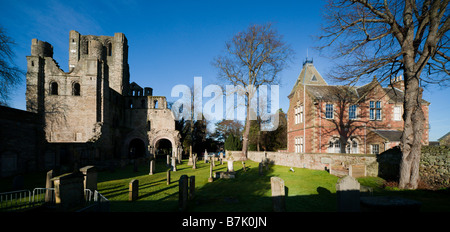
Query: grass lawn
x,y
307,190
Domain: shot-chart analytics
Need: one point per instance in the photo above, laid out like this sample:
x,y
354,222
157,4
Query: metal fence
x,y
25,199
95,202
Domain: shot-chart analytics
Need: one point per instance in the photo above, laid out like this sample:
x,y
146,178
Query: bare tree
x,y
385,38
254,57
10,74
343,122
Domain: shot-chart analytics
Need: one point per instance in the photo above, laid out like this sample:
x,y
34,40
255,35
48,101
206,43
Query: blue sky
x,y
170,42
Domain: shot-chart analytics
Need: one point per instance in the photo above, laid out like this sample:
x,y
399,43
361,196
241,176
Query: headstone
x,y
357,171
230,166
133,193
183,192
90,177
152,167
210,179
213,160
190,162
191,187
278,194
49,195
69,190
224,175
168,177
347,192
168,161
174,164
194,160
261,167
177,154
221,158
205,156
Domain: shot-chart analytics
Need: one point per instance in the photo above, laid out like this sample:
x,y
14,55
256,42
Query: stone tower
x,y
92,110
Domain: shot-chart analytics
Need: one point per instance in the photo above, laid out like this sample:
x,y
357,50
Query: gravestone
x,y
133,192
183,193
168,177
278,194
224,175
90,177
357,171
69,190
212,159
174,164
190,162
49,197
230,166
261,169
194,160
205,156
168,161
221,158
347,192
210,179
191,187
152,167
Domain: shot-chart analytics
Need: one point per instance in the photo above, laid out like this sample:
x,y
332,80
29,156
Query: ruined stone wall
x,y
21,142
337,164
435,166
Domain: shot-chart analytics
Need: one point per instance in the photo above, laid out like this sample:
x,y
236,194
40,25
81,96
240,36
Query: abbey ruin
x,y
92,112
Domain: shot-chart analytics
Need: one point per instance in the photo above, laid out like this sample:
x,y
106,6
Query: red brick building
x,y
326,118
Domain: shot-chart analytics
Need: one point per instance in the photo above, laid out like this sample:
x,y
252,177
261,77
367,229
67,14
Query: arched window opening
x,y
54,88
130,104
334,146
156,104
76,89
109,49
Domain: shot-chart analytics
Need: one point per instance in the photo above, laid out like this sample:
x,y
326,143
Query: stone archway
x,y
163,147
172,136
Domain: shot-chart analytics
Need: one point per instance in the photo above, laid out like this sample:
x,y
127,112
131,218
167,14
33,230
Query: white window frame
x,y
350,148
334,146
355,112
398,113
299,145
298,115
375,111
328,112
295,115
373,150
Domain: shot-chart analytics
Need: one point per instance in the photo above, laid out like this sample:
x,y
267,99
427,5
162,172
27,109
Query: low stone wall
x,y
336,164
435,166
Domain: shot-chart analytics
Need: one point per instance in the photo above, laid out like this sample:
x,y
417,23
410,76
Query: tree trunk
x,y
245,135
411,143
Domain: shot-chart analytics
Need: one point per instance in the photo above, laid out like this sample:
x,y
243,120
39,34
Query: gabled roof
x,y
309,76
389,135
444,136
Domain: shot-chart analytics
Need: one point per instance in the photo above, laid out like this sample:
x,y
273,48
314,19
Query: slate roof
x,y
390,135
